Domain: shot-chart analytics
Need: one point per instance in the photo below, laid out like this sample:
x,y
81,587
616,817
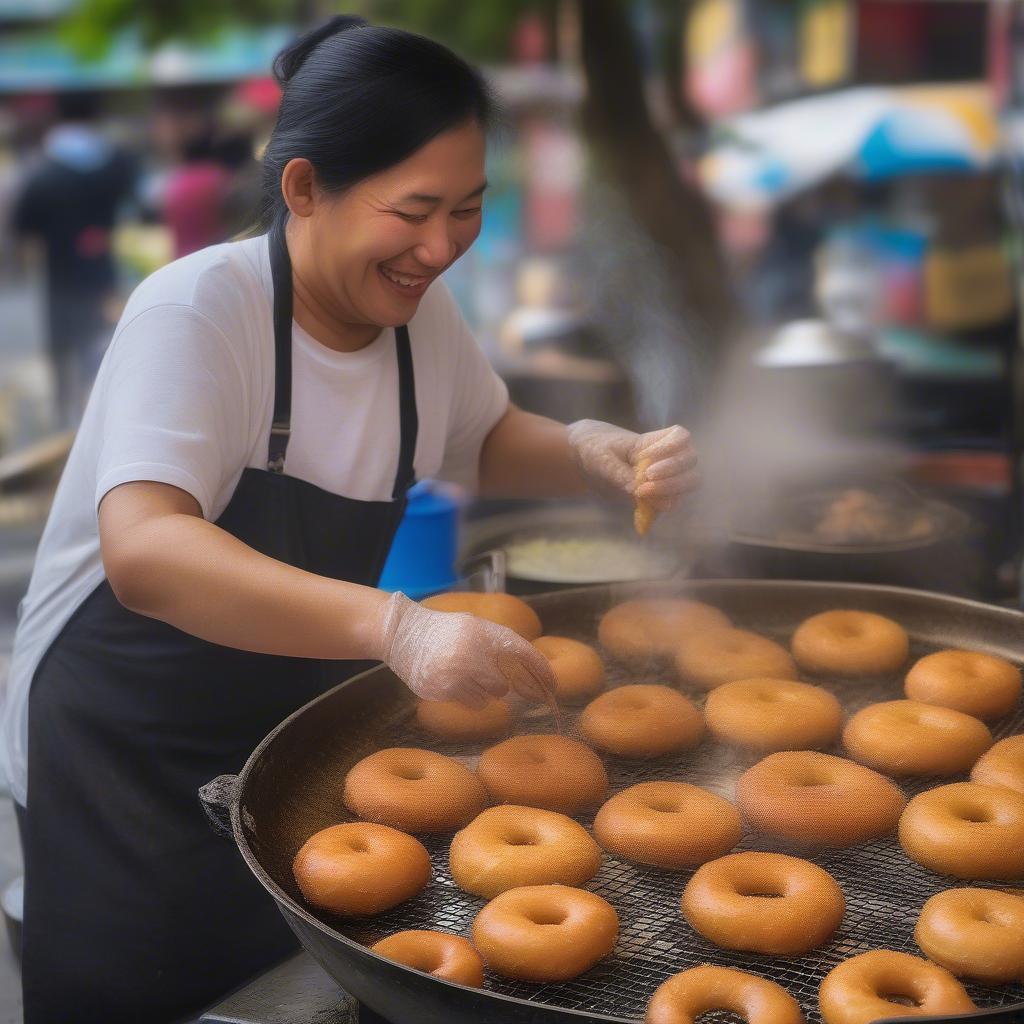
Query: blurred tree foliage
x,y
629,151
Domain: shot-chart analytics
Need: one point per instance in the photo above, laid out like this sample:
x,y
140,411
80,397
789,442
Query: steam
x,y
758,432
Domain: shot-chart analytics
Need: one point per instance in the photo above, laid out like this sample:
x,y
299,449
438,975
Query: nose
x,y
436,247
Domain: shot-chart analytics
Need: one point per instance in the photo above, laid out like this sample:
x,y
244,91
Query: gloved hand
x,y
607,456
456,656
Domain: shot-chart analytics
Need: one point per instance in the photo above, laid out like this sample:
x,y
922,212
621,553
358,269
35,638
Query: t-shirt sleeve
x,y
175,400
479,399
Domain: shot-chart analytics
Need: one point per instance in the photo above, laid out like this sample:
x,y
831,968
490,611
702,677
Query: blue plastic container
x,y
423,554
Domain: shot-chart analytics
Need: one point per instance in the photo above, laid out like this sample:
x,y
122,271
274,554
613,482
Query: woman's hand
x,y
608,455
455,656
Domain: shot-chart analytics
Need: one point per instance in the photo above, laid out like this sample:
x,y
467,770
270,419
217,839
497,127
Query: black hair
x,y
359,98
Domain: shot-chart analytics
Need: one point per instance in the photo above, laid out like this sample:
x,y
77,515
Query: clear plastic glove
x,y
608,455
456,656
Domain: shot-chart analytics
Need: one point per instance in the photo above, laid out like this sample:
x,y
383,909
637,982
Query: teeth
x,y
405,282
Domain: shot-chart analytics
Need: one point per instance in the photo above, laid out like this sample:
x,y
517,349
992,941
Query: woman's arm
x,y
529,456
163,560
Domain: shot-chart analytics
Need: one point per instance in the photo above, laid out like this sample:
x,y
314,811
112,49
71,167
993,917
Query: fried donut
x,y
966,830
545,932
763,903
773,714
1002,765
654,628
806,797
504,609
456,722
669,825
642,721
578,669
974,933
360,868
413,790
552,772
850,643
860,990
906,737
719,656
977,684
445,956
685,996
507,847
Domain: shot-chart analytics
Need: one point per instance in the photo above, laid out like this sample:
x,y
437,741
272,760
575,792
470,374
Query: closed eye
x,y
412,218
466,214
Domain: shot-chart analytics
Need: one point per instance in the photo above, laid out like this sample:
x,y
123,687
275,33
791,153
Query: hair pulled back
x,y
359,98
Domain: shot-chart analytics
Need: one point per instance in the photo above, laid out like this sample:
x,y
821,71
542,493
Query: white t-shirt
x,y
185,397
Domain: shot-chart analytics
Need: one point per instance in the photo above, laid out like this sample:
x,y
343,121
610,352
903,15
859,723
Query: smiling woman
x,y
212,555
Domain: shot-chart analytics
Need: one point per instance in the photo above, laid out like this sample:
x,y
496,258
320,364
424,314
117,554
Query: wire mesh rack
x,y
883,888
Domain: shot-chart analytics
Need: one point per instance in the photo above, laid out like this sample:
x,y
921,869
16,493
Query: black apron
x,y
135,911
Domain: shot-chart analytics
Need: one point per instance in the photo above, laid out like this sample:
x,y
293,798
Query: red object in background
x,y
530,40
92,243
260,94
555,161
967,470
193,206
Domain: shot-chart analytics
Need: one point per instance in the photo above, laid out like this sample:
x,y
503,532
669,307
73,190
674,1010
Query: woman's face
x,y
380,244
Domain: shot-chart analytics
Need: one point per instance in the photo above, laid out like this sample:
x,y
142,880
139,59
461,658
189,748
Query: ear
x,y
298,186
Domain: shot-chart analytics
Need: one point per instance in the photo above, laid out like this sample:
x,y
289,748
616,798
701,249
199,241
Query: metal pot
x,y
290,788
564,546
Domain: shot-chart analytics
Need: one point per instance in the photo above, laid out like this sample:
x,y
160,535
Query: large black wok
x,y
291,787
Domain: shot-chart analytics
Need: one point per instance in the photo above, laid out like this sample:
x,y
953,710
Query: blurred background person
x,y
69,203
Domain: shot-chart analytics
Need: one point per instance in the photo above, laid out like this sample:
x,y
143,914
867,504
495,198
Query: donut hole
x,y
761,890
358,846
520,839
410,774
546,915
534,757
663,805
974,815
899,998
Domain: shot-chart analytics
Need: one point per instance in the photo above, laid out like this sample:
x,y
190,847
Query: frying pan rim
x,y
614,589
956,522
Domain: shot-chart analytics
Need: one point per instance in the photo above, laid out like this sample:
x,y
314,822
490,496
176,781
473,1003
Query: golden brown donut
x,y
850,643
906,737
413,790
977,684
455,722
860,990
667,824
642,721
686,996
1002,765
974,933
360,868
507,847
763,903
504,609
966,830
806,797
545,932
450,957
636,630
578,669
553,772
773,714
719,656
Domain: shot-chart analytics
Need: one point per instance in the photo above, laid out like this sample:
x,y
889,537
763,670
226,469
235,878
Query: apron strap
x,y
281,425
281,274
408,417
